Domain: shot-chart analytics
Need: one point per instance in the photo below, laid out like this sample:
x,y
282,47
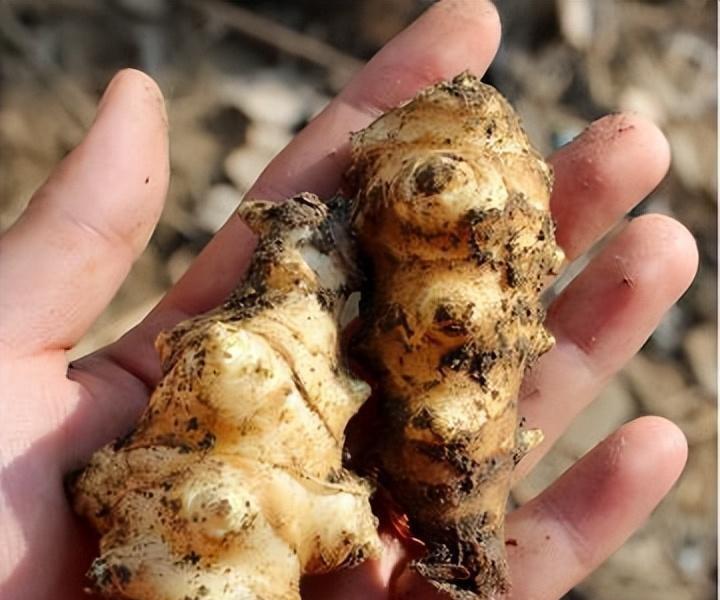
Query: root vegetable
x,y
451,210
232,485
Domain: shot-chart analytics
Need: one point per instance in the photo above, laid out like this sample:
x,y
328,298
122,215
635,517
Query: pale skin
x,y
65,258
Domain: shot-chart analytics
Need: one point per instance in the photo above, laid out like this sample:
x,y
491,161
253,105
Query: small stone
x,y
700,347
659,386
219,203
577,22
269,96
268,136
228,125
700,424
642,101
179,262
244,165
695,167
690,559
668,334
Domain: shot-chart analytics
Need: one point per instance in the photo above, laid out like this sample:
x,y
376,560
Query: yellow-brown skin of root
x,y
232,485
451,212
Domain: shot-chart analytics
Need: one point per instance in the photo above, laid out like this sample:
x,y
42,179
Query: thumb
x,y
66,256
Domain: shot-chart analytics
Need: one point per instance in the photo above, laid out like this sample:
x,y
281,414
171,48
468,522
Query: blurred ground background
x,y
241,78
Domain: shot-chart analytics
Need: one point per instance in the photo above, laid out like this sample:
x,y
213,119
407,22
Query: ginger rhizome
x,y
232,484
451,211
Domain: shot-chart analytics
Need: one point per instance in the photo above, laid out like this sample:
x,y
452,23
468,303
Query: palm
x,y
64,259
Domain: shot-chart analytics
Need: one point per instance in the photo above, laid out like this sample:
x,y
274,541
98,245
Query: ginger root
x,y
232,485
451,211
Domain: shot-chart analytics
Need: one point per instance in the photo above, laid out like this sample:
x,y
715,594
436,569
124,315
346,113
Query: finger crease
x,y
108,237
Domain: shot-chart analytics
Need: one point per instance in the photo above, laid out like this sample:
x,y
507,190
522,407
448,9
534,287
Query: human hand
x,y
61,263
